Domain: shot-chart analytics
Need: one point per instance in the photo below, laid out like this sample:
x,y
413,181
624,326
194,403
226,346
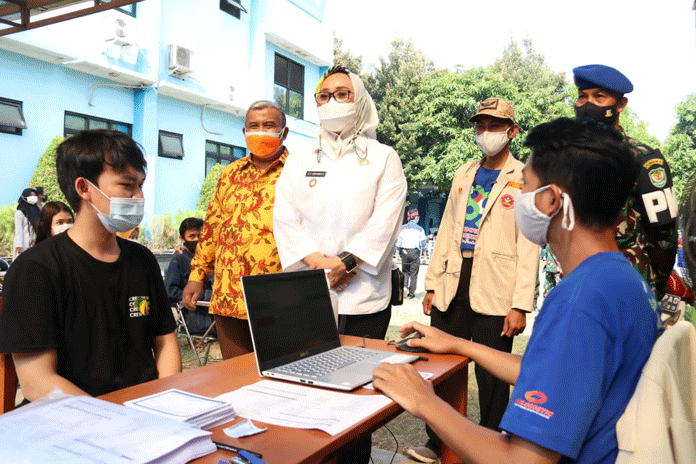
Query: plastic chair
x,y
182,331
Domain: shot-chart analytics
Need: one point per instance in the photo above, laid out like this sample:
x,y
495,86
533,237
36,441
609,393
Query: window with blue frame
x,y
11,117
74,123
128,9
221,153
288,86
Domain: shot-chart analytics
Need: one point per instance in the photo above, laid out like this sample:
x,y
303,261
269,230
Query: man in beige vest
x,y
482,273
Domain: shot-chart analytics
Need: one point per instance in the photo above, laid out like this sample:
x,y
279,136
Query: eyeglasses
x,y
340,96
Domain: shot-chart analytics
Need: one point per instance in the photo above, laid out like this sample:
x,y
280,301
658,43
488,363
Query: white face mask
x,y
61,228
534,224
491,143
337,117
124,213
32,199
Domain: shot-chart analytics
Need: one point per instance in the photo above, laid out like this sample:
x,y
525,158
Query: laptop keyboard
x,y
321,364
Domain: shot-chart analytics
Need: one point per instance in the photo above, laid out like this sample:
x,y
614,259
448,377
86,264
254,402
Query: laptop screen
x,y
290,316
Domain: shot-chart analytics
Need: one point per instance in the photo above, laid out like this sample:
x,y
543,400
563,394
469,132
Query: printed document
x,y
85,430
303,407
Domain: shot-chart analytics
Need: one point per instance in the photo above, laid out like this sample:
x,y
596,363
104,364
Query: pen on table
x,y
235,449
249,456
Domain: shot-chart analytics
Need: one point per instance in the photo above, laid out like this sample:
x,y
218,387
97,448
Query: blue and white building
x,y
178,75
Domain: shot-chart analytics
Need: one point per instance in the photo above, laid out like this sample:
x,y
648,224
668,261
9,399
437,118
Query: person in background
x,y
55,217
339,205
590,339
646,230
481,277
41,193
177,275
411,243
26,219
237,236
87,311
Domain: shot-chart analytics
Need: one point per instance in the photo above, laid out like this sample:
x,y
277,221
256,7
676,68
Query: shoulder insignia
x,y
652,162
515,185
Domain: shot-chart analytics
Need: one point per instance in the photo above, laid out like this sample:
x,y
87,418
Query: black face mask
x,y
191,245
606,114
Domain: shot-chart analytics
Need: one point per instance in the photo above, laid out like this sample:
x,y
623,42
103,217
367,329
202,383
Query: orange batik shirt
x,y
237,236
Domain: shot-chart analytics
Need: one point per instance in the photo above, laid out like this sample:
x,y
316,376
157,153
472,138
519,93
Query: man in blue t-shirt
x,y
593,334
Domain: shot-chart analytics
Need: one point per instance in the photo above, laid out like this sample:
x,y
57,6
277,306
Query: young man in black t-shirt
x,y
86,311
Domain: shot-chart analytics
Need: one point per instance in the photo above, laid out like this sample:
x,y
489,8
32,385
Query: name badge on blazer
x,y
315,174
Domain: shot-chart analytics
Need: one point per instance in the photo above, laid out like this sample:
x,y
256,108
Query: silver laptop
x,y
295,336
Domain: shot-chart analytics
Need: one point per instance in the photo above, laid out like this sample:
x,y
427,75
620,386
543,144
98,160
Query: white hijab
x,y
365,126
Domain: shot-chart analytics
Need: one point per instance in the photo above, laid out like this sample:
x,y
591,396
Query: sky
x,y
652,43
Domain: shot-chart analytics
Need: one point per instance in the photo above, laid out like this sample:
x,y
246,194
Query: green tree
x,y
542,94
209,186
636,128
443,135
439,133
394,86
680,147
45,174
7,228
345,57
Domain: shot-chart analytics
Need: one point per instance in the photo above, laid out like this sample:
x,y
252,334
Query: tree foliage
x,y
394,86
680,147
636,128
345,57
443,135
45,174
209,186
7,228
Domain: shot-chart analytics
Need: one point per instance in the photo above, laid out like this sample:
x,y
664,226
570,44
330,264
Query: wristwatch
x,y
349,260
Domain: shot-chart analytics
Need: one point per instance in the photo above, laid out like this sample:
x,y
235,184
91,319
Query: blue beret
x,y
599,75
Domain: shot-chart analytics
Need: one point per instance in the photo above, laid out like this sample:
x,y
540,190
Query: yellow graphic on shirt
x,y
142,305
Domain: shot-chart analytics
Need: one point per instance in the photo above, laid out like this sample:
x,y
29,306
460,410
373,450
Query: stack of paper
x,y
302,407
85,430
199,411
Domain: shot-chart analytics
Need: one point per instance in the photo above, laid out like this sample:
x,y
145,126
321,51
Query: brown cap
x,y
496,107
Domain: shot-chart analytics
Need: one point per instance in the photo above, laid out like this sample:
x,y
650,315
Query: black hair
x,y
31,212
87,153
190,223
588,159
338,68
50,209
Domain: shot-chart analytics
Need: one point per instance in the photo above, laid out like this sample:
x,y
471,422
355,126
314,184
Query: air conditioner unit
x,y
120,31
179,61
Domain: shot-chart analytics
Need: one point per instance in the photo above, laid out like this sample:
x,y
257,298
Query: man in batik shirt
x,y
237,236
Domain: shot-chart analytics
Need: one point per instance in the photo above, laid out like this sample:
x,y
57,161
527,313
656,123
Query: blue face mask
x,y
124,213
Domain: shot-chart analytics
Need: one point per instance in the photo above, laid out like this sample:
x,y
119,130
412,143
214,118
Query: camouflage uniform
x,y
650,249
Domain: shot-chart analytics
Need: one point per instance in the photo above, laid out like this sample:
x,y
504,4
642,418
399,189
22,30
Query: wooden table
x,y
281,445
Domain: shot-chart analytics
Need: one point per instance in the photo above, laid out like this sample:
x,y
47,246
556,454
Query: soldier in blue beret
x,y
646,230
